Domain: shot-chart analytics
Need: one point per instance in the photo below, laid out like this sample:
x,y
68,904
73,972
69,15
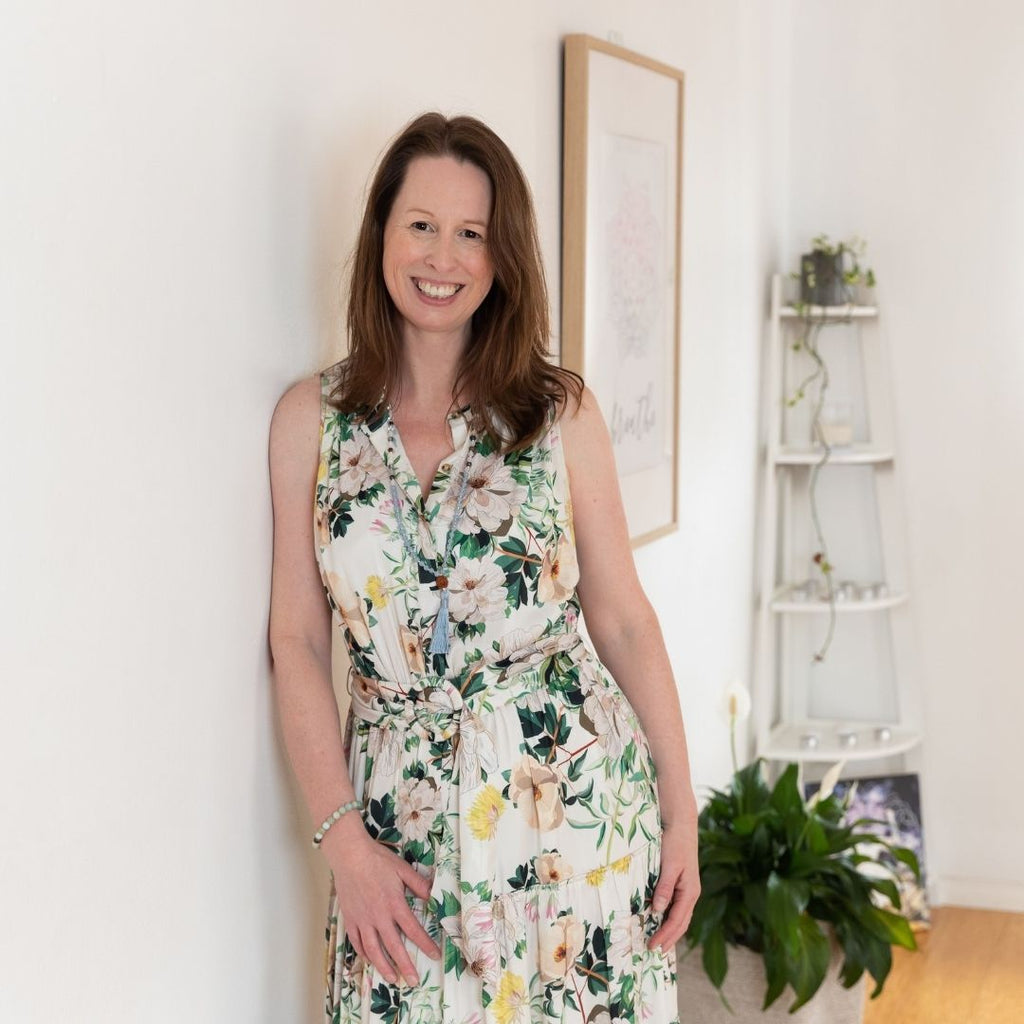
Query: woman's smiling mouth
x,y
436,291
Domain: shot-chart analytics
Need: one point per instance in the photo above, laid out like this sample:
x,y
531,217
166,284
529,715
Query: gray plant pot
x,y
745,986
821,279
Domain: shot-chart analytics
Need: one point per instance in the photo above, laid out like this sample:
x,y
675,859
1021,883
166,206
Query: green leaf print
x,y
380,821
520,878
474,545
384,1002
339,519
531,722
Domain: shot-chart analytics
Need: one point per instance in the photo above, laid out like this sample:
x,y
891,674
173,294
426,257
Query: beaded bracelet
x,y
331,819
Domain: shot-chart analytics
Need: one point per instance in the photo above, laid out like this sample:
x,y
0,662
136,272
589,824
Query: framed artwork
x,y
622,179
894,803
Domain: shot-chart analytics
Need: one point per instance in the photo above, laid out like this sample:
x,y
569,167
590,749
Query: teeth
x,y
438,291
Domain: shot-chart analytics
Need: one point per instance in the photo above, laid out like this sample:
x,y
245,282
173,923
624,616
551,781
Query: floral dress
x,y
512,770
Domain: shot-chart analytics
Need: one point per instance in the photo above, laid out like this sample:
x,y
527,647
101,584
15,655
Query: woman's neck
x,y
430,364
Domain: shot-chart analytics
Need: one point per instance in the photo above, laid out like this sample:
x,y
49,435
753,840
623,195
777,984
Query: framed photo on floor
x,y
893,803
621,262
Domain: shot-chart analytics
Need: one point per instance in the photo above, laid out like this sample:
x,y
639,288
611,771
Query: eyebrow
x,y
416,209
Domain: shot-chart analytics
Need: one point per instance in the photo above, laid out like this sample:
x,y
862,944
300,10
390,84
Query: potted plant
x,y
783,901
831,271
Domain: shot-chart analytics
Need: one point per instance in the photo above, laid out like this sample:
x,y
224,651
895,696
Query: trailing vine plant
x,y
807,341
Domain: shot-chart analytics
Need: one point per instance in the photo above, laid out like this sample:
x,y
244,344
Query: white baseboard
x,y
978,893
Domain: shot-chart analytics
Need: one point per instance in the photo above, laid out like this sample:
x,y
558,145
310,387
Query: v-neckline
x,y
405,472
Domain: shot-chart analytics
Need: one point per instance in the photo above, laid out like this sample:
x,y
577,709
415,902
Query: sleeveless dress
x,y
512,771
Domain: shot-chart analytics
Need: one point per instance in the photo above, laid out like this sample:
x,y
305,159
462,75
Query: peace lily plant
x,y
782,877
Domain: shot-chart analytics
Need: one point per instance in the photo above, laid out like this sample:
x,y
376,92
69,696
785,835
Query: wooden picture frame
x,y
621,262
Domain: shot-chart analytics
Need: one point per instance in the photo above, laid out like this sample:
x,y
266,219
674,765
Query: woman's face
x,y
437,267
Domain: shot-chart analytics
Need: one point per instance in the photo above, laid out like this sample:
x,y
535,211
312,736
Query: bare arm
x,y
300,620
628,639
369,878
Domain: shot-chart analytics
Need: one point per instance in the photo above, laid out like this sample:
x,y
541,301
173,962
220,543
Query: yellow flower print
x,y
483,816
511,1006
321,471
621,866
595,877
377,591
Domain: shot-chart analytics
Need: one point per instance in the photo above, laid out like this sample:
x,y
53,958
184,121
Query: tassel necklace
x,y
443,564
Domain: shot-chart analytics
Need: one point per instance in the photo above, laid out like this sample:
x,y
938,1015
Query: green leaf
x,y
816,838
756,899
714,958
905,856
712,854
888,888
808,969
715,879
787,900
878,961
897,928
786,797
745,824
775,970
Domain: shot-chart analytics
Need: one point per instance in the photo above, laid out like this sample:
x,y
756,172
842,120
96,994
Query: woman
x,y
501,846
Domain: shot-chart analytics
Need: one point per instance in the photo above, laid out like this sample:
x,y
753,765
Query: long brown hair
x,y
504,367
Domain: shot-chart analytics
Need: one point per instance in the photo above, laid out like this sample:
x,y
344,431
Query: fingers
x,y
416,933
400,956
376,955
674,926
419,884
663,892
381,943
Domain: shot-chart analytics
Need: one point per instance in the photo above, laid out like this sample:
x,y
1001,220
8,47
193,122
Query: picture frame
x,y
893,804
621,263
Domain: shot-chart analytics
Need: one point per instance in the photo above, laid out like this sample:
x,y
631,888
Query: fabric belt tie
x,y
433,706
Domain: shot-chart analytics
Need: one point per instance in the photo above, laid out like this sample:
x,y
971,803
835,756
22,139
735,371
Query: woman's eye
x,y
420,225
473,235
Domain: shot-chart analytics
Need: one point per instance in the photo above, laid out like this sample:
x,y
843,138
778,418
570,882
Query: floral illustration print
x,y
511,770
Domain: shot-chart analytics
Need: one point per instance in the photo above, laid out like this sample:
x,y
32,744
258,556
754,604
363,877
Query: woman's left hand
x,y
678,884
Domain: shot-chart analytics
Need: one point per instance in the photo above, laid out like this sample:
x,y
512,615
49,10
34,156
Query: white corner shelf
x,y
819,606
784,742
869,672
844,455
848,312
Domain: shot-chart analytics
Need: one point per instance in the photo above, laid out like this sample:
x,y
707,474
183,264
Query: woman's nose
x,y
441,255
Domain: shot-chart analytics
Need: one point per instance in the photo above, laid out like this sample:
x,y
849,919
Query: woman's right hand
x,y
370,881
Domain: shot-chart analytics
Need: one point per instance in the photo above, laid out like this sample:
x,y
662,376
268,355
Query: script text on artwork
x,y
635,422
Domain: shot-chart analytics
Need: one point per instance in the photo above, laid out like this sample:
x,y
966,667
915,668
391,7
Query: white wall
x,y
906,128
180,185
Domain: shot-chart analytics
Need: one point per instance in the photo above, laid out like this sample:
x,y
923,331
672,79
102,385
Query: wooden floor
x,y
968,969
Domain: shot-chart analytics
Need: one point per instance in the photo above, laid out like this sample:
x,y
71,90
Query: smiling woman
x,y
515,852
437,266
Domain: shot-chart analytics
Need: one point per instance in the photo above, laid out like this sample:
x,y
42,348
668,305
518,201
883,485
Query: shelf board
x,y
845,455
847,312
819,606
784,741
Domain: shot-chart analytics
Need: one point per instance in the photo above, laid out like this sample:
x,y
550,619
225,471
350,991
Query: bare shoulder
x,y
584,433
295,425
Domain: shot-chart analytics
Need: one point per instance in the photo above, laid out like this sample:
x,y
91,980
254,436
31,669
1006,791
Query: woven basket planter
x,y
745,986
